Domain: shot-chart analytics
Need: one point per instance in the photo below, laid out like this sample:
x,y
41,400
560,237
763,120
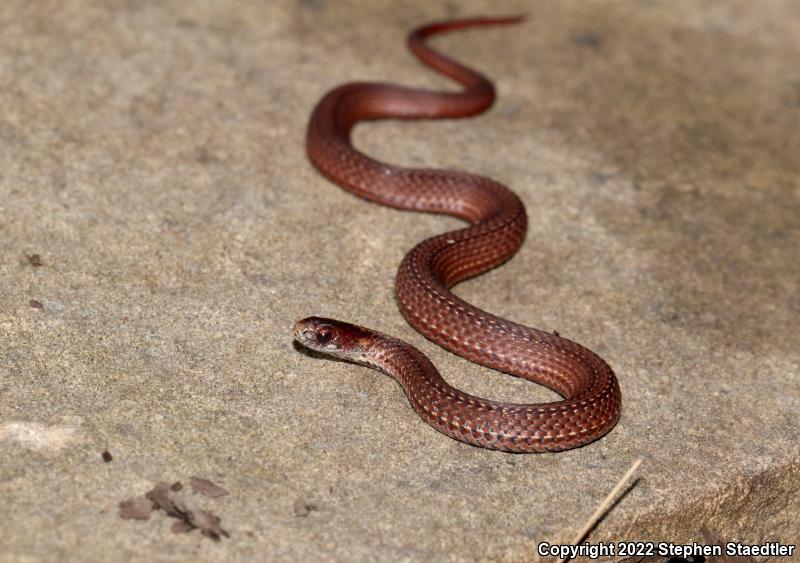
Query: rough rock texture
x,y
161,229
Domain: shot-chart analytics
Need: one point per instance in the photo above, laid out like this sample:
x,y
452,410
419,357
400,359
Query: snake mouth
x,y
302,333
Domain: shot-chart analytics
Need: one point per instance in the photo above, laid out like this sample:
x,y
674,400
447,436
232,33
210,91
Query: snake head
x,y
336,338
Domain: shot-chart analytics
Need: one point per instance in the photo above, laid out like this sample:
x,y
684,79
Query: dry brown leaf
x,y
162,494
207,488
303,508
179,505
206,521
137,508
181,527
35,260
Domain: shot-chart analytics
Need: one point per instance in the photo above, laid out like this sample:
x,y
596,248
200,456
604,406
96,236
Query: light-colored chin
x,y
310,344
342,355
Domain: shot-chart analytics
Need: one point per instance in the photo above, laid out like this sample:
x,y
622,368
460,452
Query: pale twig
x,y
605,504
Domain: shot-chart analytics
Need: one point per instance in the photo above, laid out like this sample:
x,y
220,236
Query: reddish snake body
x,y
592,400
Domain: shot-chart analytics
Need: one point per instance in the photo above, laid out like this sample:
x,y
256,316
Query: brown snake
x,y
592,401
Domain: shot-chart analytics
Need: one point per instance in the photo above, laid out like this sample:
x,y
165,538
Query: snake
x,y
497,222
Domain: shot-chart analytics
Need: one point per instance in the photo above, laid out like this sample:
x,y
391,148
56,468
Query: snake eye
x,y
324,335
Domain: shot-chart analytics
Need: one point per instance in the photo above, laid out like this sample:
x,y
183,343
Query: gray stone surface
x,y
152,157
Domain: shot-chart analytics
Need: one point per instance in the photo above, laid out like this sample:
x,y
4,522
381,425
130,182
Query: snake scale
x,y
497,226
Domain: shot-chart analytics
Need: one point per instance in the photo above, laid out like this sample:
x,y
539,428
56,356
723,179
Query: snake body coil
x,y
592,400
